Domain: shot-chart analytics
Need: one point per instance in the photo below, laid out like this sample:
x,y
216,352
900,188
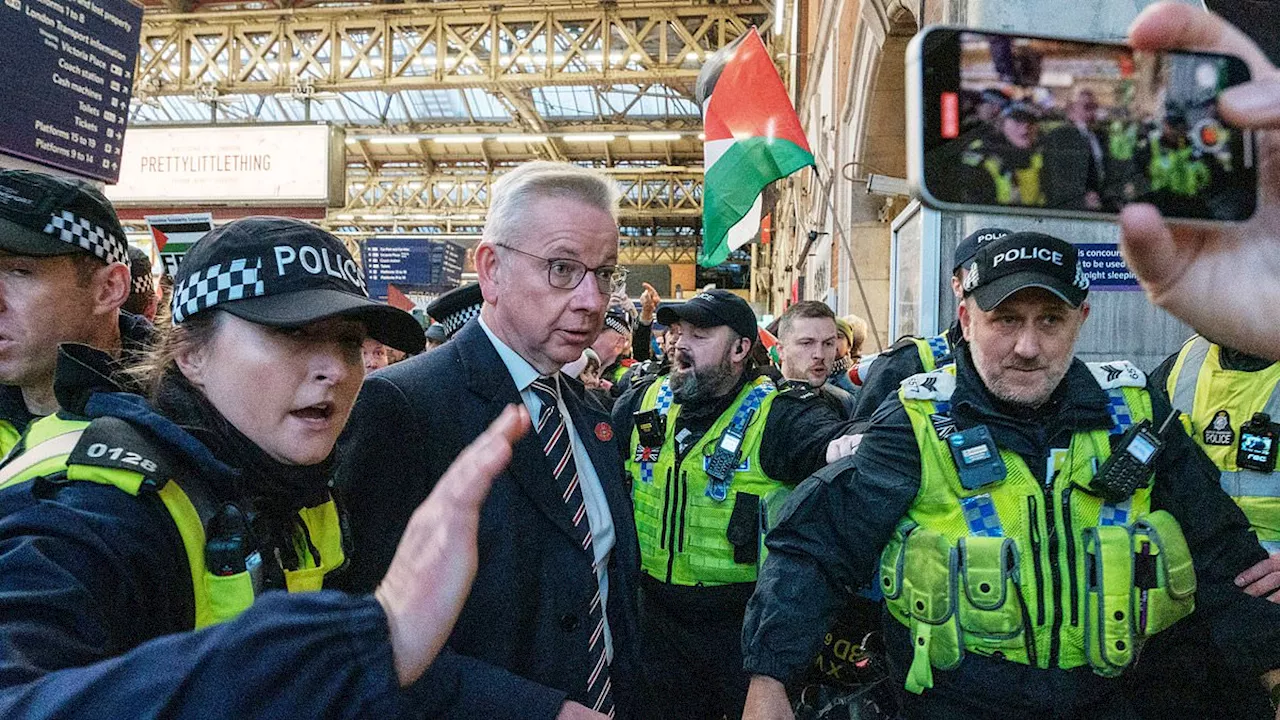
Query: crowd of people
x,y
560,505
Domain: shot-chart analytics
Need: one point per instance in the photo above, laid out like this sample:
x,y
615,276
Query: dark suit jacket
x,y
520,647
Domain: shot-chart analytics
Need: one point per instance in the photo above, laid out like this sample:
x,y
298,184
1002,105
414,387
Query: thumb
x,y
1148,248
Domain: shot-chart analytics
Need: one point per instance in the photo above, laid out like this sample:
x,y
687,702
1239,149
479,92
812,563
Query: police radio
x,y
1258,439
1131,462
724,461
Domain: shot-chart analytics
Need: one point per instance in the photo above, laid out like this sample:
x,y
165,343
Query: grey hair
x,y
513,193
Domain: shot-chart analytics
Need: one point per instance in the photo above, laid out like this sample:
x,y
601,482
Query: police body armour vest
x,y
686,536
1046,575
109,451
1215,402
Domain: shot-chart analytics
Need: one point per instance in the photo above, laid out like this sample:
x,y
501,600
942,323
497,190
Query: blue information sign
x,y
414,265
68,104
1105,268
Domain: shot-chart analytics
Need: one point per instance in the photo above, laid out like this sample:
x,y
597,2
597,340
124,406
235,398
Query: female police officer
x,y
152,520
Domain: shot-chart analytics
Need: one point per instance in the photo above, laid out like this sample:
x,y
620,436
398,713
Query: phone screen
x,y
1055,125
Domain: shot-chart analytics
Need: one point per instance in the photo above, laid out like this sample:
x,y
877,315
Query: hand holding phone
x,y
1037,125
1223,281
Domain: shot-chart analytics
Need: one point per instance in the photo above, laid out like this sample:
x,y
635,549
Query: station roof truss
x,y
432,93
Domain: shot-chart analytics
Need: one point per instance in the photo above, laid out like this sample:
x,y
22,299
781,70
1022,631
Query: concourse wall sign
x,y
67,103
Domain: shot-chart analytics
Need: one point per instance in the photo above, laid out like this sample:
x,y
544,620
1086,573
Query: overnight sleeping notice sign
x,y
64,101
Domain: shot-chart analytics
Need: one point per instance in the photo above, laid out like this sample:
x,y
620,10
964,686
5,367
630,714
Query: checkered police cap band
x,y
454,322
76,230
142,285
216,284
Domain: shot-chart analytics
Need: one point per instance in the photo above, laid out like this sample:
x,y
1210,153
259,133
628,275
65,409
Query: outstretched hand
x,y
435,563
1224,281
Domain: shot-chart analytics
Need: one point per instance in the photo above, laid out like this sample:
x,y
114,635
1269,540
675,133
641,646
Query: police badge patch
x,y
1219,431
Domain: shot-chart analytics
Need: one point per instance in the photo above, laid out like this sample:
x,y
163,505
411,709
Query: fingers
x,y
1171,25
471,475
649,288
1257,572
1253,105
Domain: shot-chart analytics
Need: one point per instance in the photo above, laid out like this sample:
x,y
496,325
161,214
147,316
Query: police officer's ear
x,y
110,287
489,270
740,350
964,312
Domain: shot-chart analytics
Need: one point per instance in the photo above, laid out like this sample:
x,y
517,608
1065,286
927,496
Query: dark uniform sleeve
x,y
827,544
886,374
1247,629
796,434
640,342
622,412
1158,380
88,581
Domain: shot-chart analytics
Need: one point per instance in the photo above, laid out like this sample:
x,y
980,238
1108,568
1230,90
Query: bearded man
x,y
711,449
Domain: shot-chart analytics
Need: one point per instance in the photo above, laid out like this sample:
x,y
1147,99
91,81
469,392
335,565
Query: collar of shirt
x,y
522,373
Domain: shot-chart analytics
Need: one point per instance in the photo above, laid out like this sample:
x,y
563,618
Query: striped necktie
x,y
559,451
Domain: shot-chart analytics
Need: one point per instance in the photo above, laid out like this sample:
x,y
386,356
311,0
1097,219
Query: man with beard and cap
x,y
1034,520
711,450
64,275
881,374
549,630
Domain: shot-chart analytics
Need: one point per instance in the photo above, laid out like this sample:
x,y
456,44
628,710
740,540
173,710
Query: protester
x,y
550,629
807,340
1191,270
130,577
374,355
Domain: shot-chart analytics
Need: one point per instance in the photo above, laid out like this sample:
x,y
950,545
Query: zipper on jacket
x,y
1055,573
1033,525
1073,581
666,512
684,506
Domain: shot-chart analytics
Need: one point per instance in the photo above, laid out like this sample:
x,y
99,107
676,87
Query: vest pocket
x,y
229,595
1108,567
990,607
1164,576
892,560
929,589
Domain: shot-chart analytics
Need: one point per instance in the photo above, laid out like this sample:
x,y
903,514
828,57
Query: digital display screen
x,y
1142,448
1258,446
1066,125
975,455
730,442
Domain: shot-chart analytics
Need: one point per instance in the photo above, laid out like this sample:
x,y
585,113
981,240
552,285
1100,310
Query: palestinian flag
x,y
753,138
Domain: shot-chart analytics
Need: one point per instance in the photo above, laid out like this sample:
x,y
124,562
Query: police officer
x,y
1005,169
880,374
1034,519
613,345
1228,400
177,514
455,308
711,449
64,274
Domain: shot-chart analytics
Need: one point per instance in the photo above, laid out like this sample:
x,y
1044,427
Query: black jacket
x,y
835,525
520,646
95,596
890,368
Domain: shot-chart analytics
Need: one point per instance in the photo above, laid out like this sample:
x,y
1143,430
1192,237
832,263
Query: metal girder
x,y
428,45
659,195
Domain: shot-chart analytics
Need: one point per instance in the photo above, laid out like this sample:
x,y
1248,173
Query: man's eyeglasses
x,y
567,274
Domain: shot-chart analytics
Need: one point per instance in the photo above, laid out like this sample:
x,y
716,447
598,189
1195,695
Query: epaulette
x,y
936,386
110,442
1117,374
798,389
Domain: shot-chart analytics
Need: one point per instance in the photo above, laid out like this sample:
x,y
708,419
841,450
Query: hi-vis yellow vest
x,y
109,451
1216,402
684,533
1046,575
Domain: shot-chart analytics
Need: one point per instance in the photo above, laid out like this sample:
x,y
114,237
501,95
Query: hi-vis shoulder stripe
x,y
937,386
1117,374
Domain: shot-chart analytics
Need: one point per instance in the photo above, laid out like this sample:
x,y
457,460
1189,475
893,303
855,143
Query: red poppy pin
x,y
604,432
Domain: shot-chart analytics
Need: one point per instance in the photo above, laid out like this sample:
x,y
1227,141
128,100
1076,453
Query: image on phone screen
x,y
1055,125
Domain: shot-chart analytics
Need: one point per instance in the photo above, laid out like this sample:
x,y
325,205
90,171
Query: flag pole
x,y
844,242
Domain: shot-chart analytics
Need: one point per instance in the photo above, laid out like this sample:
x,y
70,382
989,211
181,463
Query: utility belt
x,y
967,597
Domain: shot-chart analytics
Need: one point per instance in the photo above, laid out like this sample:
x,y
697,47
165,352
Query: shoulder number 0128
x,y
121,455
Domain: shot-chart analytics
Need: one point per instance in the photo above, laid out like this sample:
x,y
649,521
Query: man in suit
x,y
549,630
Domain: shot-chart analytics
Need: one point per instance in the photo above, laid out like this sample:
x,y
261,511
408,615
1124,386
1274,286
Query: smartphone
x,y
999,122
